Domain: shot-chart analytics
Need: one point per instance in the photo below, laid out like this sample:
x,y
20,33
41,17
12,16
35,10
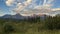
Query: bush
x,y
8,28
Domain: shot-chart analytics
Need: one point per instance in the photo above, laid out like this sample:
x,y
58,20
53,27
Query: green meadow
x,y
50,25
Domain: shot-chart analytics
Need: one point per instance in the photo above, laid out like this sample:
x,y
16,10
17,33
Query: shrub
x,y
8,28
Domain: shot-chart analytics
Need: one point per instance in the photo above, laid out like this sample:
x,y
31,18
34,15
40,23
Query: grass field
x,y
51,25
41,32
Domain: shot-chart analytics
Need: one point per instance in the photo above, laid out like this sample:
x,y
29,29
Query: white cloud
x,y
56,9
37,9
21,6
49,1
44,2
9,2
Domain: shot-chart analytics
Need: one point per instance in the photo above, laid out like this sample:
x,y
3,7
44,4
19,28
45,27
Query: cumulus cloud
x,y
19,6
37,8
9,2
45,8
56,9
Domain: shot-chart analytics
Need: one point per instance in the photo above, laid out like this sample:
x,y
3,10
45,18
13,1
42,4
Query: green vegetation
x,y
50,25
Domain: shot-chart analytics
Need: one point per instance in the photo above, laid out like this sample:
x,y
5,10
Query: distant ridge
x,y
16,16
19,16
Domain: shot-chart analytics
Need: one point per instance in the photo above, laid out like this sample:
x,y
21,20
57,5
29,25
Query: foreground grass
x,y
41,32
27,28
35,28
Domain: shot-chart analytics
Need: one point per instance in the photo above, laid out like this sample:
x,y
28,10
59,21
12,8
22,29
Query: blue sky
x,y
56,4
4,9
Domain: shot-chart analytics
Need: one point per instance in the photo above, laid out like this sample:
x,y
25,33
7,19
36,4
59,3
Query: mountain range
x,y
16,16
19,16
